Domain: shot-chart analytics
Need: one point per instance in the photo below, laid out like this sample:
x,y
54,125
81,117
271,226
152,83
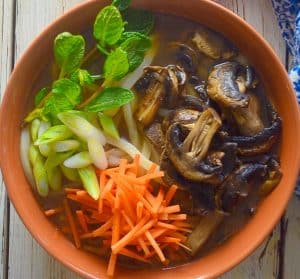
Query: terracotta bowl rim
x,y
34,230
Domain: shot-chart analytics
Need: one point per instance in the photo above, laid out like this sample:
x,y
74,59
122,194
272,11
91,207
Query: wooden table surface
x,y
22,257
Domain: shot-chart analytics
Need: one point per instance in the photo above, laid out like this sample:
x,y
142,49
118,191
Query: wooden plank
x,y
6,50
26,258
291,268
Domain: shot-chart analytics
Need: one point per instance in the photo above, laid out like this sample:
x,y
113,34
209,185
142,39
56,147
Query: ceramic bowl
x,y
277,86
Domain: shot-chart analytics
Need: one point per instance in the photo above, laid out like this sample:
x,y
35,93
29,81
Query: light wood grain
x,y
6,50
292,240
26,258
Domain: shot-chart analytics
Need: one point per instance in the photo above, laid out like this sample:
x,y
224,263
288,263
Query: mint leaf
x,y
82,77
121,4
110,98
69,51
108,26
116,65
135,44
66,94
40,95
138,21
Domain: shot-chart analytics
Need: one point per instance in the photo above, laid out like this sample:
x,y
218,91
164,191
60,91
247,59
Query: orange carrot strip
x,y
117,247
53,211
83,196
111,265
145,202
72,223
182,224
170,194
82,221
116,227
139,210
102,181
140,240
82,193
158,232
127,206
105,227
169,239
185,247
171,209
158,200
177,216
166,225
150,198
90,235
72,190
131,254
108,187
155,246
178,235
152,168
123,165
152,253
172,227
82,201
102,185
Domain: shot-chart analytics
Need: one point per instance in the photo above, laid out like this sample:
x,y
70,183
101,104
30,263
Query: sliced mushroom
x,y
160,85
224,85
248,119
238,185
177,79
203,231
212,45
155,94
186,117
259,143
187,152
203,194
273,178
156,136
186,57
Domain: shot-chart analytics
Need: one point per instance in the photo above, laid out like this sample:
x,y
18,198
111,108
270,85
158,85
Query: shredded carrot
x,y
170,194
82,221
132,217
112,265
131,254
53,211
177,216
72,190
139,210
81,201
155,246
171,209
72,223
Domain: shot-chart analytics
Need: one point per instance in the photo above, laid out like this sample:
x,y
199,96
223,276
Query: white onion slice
x,y
24,150
97,153
131,150
44,148
79,160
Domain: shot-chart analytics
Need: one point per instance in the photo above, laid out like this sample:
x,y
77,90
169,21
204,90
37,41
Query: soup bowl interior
x,y
277,87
